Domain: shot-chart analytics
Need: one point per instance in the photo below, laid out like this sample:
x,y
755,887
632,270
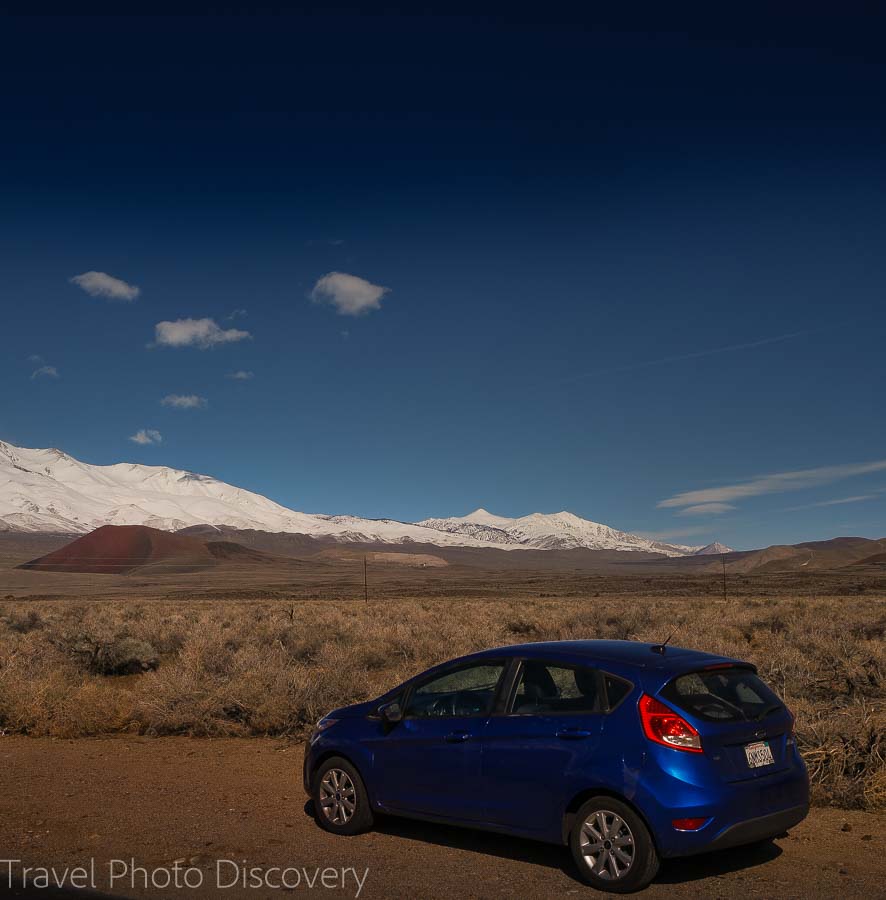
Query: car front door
x,y
541,749
429,762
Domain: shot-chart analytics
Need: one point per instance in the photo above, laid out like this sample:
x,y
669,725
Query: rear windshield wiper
x,y
773,707
731,706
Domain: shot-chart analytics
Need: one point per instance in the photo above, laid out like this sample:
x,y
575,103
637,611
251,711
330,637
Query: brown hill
x,y
877,558
124,549
871,565
230,551
275,543
812,556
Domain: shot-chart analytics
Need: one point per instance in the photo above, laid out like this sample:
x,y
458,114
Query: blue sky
x,y
622,262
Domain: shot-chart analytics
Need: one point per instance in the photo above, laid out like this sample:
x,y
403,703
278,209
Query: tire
x,y
337,786
626,860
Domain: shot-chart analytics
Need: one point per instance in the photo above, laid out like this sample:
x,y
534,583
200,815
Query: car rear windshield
x,y
723,695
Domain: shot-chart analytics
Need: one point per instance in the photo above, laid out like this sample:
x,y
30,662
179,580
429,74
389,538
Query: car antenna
x,y
660,648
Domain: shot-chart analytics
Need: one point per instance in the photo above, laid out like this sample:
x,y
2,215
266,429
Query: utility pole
x,y
365,582
723,559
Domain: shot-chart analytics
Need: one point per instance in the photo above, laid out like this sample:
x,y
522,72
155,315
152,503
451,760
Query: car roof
x,y
627,653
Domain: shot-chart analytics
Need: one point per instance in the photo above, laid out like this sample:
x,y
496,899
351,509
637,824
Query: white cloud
x,y
202,333
45,372
184,401
100,284
35,358
236,314
773,484
146,436
706,509
241,375
349,294
858,498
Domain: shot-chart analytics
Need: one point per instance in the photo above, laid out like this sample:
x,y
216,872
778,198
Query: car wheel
x,y
612,846
341,804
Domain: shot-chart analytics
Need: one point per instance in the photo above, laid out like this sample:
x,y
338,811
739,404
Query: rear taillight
x,y
662,725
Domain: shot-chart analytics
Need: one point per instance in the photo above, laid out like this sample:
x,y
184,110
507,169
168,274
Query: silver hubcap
x,y
607,845
338,796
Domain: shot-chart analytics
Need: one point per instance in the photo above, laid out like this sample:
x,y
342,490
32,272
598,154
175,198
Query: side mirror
x,y
390,713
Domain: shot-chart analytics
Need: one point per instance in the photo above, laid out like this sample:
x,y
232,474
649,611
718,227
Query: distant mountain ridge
x,y
713,549
51,491
810,556
553,531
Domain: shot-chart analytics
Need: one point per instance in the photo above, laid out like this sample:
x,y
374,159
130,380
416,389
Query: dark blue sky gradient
x,y
570,214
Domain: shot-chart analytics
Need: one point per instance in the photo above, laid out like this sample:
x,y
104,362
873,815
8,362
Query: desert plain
x,y
160,715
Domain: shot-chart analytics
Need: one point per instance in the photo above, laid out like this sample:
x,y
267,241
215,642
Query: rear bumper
x,y
757,829
736,813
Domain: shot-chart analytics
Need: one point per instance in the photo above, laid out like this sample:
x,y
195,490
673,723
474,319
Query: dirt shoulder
x,y
151,801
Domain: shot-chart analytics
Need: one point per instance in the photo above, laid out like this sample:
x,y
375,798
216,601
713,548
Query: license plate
x,y
759,754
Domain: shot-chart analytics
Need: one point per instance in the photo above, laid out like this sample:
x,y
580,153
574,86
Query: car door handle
x,y
456,737
573,734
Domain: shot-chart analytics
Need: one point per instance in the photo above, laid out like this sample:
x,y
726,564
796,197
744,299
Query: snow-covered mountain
x,y
47,490
551,531
479,525
50,491
713,550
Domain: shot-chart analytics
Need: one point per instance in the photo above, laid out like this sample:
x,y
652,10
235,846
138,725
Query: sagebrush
x,y
78,668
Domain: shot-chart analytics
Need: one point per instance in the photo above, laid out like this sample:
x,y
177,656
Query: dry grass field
x,y
78,667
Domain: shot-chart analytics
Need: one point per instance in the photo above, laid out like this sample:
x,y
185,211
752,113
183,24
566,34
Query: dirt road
x,y
226,807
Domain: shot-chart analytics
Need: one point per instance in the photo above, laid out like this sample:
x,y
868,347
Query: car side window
x,y
616,690
546,688
466,691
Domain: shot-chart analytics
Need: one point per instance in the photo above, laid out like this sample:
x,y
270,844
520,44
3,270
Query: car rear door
x,y
541,745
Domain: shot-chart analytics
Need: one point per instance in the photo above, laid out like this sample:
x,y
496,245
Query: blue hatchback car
x,y
627,752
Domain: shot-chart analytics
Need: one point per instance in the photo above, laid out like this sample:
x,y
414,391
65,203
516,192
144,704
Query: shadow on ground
x,y
673,871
